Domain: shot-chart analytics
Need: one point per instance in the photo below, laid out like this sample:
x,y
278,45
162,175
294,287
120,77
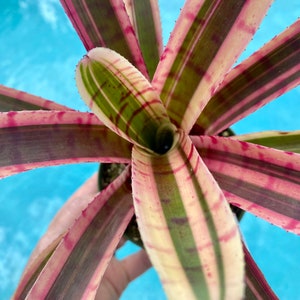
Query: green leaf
x,y
144,16
14,100
287,141
105,23
264,76
123,99
207,39
77,265
186,224
32,139
260,180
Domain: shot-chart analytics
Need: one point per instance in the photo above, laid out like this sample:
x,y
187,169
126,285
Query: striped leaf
x,y
287,141
257,286
105,23
64,219
59,226
207,39
264,76
186,224
32,139
144,16
260,180
75,268
14,100
124,100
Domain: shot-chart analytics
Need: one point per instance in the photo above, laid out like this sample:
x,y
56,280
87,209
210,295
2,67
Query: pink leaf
x,y
32,139
78,263
14,100
257,286
186,224
260,180
264,76
105,24
207,40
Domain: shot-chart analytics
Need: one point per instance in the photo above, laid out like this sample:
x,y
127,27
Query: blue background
x,y
38,54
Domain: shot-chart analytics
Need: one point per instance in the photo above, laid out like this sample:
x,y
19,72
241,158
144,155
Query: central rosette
x,y
184,219
124,100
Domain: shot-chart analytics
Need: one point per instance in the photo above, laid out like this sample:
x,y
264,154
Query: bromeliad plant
x,y
161,112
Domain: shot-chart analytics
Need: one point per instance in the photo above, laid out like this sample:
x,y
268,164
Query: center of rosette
x,y
124,100
164,138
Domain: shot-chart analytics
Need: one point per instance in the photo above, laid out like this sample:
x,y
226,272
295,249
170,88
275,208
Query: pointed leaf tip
x,y
124,99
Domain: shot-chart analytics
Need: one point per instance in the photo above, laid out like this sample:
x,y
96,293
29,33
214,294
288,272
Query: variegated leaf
x,y
264,76
287,141
105,23
186,224
14,100
124,100
144,16
64,219
260,180
207,40
32,139
257,286
75,268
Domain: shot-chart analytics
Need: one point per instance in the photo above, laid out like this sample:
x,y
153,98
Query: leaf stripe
x,y
287,141
142,109
257,286
91,27
31,139
178,227
200,34
227,120
257,165
180,224
105,25
264,76
146,21
186,224
111,108
215,239
249,191
90,242
121,97
12,104
15,100
191,68
258,179
81,258
78,18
